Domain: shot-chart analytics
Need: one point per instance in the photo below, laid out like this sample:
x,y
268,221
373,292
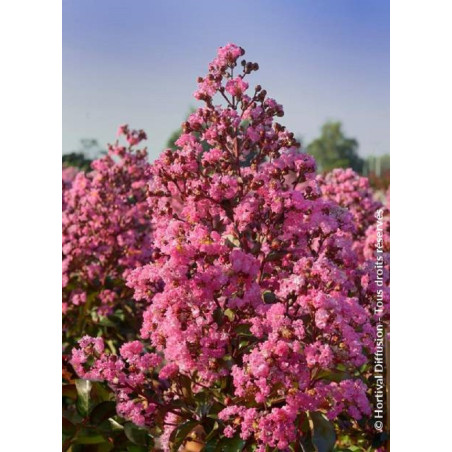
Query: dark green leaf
x,y
68,427
269,297
235,444
333,375
137,449
105,321
89,439
213,432
243,329
218,316
102,412
306,444
180,433
186,382
323,433
275,255
137,435
101,447
83,396
215,408
306,437
211,445
69,391
100,393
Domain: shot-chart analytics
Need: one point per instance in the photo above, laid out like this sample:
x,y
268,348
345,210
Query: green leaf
x,y
105,321
275,255
215,408
243,329
269,297
68,427
90,439
333,375
212,437
137,449
102,412
69,391
83,395
243,344
211,446
111,346
306,444
229,313
115,426
306,437
218,316
180,433
323,433
101,447
186,382
232,241
235,444
136,435
100,393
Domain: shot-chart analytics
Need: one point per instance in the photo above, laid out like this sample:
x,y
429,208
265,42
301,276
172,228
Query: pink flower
x,y
168,371
130,349
236,86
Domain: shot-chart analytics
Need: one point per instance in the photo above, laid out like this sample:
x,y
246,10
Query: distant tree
x,y
334,150
171,142
77,159
82,157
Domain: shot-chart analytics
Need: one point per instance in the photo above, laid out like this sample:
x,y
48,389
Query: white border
x,y
421,99
30,226
421,175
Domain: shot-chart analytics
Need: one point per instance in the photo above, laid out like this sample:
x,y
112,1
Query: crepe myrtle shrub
x,y
371,219
106,234
353,192
255,330
370,215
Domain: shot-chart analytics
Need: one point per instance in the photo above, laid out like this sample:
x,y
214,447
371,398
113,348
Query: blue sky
x,y
137,61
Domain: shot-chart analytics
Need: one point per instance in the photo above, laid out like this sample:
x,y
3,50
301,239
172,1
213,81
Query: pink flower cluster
x,y
254,283
106,225
127,374
354,193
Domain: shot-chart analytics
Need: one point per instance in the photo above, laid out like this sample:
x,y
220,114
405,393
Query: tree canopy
x,y
334,150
